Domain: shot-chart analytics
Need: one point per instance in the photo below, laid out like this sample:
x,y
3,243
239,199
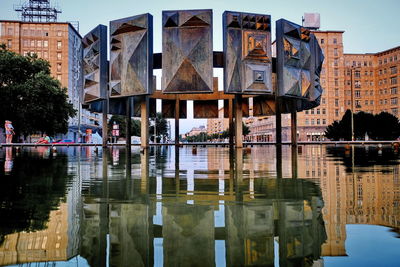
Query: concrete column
x,y
238,121
231,124
294,161
105,126
293,124
278,124
128,123
144,122
177,122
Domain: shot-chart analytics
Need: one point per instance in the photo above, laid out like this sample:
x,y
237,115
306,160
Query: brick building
x,y
60,44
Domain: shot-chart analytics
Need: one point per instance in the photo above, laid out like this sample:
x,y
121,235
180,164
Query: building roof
x,y
30,22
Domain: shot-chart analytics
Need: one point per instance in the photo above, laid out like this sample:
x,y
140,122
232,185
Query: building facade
x,y
371,78
60,44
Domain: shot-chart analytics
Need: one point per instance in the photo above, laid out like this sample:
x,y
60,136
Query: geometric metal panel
x,y
247,53
205,109
245,108
299,63
131,56
95,64
263,106
168,109
187,58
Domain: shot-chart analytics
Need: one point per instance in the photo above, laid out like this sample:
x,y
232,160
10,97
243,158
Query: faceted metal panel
x,y
168,109
245,108
95,65
187,58
205,109
299,63
247,53
131,56
263,106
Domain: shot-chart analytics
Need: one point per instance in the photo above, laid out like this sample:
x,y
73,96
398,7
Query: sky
x,y
370,25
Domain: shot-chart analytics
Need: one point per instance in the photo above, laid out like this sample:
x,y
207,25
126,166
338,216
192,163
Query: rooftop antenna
x,y
38,11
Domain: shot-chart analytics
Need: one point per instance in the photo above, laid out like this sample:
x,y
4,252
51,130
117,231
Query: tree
x,y
245,129
30,97
121,121
383,126
161,127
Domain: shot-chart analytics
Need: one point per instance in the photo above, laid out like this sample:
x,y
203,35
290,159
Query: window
x,y
371,102
10,31
380,61
318,111
323,100
59,77
45,43
334,40
322,41
59,56
335,52
45,54
384,60
32,43
58,66
394,111
393,80
393,90
59,33
39,54
336,92
323,121
336,112
39,43
318,121
323,111
312,111
59,44
46,33
336,102
366,102
312,121
357,93
371,92
307,122
358,104
9,43
393,70
393,101
357,84
384,71
336,82
306,112
336,72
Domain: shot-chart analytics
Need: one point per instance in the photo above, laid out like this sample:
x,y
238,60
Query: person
x,y
44,140
9,131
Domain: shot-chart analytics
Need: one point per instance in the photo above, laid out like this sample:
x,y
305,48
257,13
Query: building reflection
x,y
171,208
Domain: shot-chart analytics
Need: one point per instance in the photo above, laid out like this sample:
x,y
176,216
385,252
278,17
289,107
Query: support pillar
x,y
231,124
177,122
293,124
105,126
128,123
278,120
294,162
238,121
144,122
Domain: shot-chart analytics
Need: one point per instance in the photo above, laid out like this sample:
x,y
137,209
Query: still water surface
x,y
314,206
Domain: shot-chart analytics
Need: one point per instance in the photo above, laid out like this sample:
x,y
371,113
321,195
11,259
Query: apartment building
x,y
60,44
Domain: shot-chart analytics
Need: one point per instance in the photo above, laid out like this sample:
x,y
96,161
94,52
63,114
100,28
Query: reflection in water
x,y
214,206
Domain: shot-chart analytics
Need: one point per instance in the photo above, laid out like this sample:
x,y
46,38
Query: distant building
x,y
218,125
60,44
197,130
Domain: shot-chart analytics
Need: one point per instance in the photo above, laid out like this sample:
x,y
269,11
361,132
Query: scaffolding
x,y
38,11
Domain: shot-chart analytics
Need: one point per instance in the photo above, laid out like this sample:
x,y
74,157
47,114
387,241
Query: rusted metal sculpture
x,y
247,53
187,58
95,64
131,56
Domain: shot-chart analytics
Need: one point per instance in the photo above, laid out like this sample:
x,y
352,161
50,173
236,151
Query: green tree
x,y
121,121
245,129
30,97
161,127
383,126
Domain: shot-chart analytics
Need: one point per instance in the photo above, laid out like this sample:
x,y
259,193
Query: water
x,y
321,206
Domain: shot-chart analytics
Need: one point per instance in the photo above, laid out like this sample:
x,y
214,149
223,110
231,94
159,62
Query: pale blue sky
x,y
370,25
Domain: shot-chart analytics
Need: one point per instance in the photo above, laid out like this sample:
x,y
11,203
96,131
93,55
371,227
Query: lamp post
x,y
352,104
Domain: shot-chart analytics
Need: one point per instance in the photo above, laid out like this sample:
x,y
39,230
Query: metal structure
x,y
187,65
131,56
187,58
299,63
38,11
95,64
247,53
